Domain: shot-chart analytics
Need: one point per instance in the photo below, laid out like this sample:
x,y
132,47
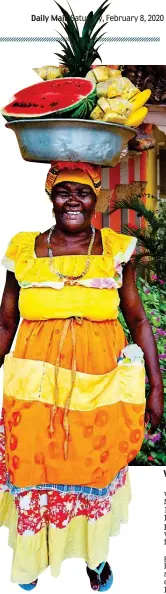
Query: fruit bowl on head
x,y
71,139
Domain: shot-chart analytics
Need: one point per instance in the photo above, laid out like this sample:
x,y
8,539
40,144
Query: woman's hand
x,y
154,407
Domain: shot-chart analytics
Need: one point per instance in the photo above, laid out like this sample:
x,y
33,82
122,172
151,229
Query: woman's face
x,y
73,205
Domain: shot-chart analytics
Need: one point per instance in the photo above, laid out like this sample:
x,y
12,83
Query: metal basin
x,y
47,140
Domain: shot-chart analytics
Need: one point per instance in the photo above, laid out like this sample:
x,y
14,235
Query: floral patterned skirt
x,y
49,525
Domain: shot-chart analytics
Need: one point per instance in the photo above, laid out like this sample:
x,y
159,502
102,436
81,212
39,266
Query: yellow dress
x,y
73,409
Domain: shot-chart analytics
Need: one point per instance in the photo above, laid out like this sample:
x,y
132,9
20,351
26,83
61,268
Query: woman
x,y
73,408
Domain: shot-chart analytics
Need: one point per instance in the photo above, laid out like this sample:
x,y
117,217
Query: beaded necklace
x,y
69,280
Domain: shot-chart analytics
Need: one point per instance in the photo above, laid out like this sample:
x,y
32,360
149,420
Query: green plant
x,y
80,51
153,296
151,239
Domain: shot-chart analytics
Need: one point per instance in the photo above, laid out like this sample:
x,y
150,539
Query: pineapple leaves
x,y
96,17
79,50
73,27
93,37
74,19
88,24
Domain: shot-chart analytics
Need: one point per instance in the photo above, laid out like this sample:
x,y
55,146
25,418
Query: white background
x,y
16,21
136,555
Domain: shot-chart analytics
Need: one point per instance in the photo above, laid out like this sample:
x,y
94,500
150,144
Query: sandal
x,y
29,586
108,584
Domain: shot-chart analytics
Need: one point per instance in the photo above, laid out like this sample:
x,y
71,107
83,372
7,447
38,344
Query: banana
x,y
136,118
140,99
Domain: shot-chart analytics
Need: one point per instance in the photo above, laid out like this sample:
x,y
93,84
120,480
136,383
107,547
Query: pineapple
x,y
79,50
113,117
100,73
48,72
102,88
97,113
103,104
116,97
90,76
113,72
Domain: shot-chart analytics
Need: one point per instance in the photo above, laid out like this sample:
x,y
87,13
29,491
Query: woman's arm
x,y
9,315
141,332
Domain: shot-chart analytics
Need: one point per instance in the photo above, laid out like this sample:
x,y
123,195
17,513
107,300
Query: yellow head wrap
x,y
83,173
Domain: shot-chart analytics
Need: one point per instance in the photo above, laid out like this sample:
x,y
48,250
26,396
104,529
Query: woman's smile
x,y
73,213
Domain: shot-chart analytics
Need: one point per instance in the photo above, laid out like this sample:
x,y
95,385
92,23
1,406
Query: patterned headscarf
x,y
83,173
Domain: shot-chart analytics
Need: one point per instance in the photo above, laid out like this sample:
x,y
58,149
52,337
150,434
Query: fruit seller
x,y
74,391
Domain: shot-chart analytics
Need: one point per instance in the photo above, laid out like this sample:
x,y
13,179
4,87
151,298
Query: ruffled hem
x,y
32,554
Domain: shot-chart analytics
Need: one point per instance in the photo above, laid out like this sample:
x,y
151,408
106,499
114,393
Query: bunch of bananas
x,y
119,101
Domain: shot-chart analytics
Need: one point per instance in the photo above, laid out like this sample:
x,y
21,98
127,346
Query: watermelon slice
x,y
64,97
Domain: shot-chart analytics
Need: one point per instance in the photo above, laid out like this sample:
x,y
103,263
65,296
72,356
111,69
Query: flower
x,y
150,458
161,282
102,283
146,291
162,356
154,438
154,276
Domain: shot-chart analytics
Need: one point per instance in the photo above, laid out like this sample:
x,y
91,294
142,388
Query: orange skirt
x,y
102,439
98,344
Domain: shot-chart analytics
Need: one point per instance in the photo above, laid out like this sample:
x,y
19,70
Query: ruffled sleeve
x,y
10,256
127,246
120,246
